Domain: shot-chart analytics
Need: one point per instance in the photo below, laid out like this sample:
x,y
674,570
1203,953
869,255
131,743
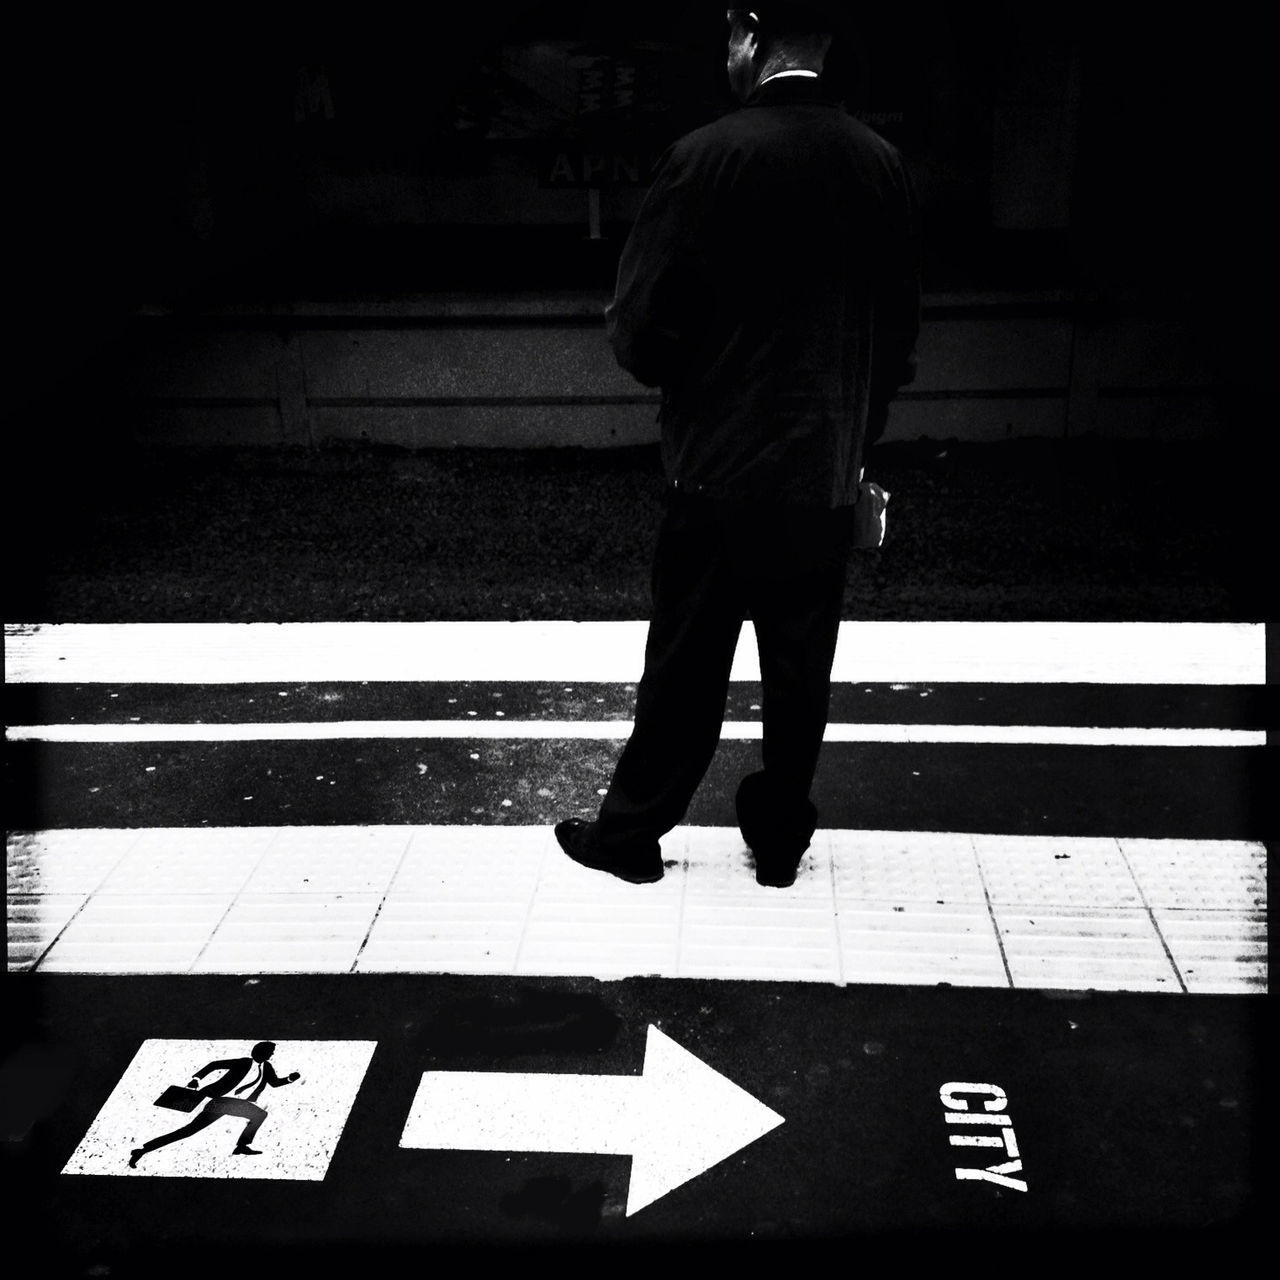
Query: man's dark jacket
x,y
771,288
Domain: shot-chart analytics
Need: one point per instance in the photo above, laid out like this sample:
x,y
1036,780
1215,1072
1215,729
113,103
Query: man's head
x,y
263,1050
776,37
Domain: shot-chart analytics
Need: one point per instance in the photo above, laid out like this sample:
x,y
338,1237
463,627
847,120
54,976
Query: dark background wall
x,y
283,227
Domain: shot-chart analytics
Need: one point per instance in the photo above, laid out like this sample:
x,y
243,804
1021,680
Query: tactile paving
x,y
914,866
759,942
289,933
735,928
583,922
330,860
66,861
472,864
123,933
1056,948
720,866
188,860
1055,871
1214,874
33,923
1217,951
436,936
866,907
919,942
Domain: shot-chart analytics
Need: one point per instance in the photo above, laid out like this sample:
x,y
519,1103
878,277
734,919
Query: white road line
x,y
578,652
739,730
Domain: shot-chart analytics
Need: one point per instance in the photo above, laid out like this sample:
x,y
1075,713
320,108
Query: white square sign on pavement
x,y
286,1130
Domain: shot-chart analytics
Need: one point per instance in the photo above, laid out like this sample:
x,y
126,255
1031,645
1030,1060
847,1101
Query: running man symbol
x,y
223,1100
236,1079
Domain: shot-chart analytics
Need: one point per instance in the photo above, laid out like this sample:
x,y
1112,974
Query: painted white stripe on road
x,y
737,730
578,652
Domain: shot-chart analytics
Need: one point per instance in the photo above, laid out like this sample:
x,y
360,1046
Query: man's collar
x,y
777,75
785,89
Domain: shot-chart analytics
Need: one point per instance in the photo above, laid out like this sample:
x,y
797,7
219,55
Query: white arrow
x,y
675,1120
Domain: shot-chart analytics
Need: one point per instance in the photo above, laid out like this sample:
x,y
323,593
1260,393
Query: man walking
x,y
770,288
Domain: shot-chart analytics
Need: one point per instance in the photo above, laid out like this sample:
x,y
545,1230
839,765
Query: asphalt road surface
x,y
513,1110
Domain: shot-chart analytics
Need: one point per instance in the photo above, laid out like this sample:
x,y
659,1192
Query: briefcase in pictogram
x,y
176,1098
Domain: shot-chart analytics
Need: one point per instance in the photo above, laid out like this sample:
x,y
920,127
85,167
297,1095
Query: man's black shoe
x,y
135,1156
242,1150
578,838
778,845
776,872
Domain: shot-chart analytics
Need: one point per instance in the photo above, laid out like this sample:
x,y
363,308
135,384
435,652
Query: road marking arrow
x,y
675,1120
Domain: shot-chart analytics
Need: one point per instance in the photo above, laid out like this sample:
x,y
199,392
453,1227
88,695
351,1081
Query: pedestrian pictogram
x,y
244,1122
675,1120
220,1098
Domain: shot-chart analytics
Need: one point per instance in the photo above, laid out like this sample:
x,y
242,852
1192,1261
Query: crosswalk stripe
x,y
878,652
740,730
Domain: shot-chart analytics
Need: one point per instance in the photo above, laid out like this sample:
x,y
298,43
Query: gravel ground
x,y
1026,530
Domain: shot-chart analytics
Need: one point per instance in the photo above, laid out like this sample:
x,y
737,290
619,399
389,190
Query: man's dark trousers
x,y
717,563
